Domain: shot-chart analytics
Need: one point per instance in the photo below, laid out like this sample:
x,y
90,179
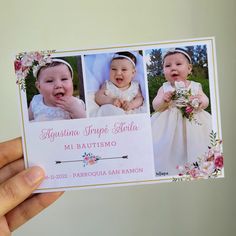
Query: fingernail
x,y
34,175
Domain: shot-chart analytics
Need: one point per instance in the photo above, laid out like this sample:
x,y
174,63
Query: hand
x,y
117,102
197,101
127,106
167,96
16,186
72,105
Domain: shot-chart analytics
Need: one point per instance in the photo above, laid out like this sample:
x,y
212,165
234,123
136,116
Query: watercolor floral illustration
x,y
27,62
209,165
90,159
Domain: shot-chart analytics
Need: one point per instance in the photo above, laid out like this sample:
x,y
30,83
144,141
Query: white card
x,y
124,115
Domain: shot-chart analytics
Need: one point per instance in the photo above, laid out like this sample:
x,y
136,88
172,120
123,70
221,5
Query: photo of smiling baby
x,y
116,84
56,98
181,119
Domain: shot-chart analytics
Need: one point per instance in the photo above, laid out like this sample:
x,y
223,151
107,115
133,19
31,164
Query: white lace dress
x,y
176,140
114,92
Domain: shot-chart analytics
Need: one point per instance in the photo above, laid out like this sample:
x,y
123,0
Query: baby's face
x,y
122,72
54,83
176,67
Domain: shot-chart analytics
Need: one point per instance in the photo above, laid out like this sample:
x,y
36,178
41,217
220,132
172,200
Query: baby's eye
x,y
114,69
167,65
49,81
63,79
179,64
124,69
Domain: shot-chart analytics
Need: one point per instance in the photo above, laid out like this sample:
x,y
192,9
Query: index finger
x,y
10,151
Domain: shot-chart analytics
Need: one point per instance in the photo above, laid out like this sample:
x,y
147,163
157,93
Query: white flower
x,y
44,60
47,59
207,167
195,102
27,59
217,149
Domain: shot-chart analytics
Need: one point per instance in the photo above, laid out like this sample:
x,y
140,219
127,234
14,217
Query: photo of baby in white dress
x,y
181,120
53,96
115,84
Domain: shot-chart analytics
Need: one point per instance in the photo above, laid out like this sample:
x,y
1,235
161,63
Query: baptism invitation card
x,y
131,114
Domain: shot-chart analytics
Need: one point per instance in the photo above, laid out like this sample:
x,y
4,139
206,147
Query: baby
x,y
55,101
180,131
120,94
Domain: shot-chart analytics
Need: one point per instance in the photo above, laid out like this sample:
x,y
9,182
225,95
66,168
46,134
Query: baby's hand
x,y
72,105
167,96
117,102
127,106
196,101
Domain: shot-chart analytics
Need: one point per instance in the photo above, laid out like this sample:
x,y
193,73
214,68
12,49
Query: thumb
x,y
18,188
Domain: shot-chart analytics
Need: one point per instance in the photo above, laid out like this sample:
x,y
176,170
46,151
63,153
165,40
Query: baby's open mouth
x,y
59,95
175,75
119,80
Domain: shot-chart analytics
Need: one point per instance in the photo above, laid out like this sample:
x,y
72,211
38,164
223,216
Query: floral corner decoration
x,y
209,165
31,61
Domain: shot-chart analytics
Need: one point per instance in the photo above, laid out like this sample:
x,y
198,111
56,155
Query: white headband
x,y
123,56
179,50
54,60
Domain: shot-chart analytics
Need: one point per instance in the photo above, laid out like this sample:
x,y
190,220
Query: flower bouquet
x,y
183,102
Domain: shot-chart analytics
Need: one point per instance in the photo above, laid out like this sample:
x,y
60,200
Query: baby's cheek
x,y
70,91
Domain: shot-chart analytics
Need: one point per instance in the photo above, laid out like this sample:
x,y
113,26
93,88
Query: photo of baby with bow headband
x,y
55,100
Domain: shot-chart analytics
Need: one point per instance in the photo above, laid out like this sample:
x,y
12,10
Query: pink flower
x,y
188,109
38,56
219,162
194,173
91,161
17,65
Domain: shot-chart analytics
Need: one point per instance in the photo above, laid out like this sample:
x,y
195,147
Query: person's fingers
x,y
11,169
18,188
4,229
10,151
30,208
